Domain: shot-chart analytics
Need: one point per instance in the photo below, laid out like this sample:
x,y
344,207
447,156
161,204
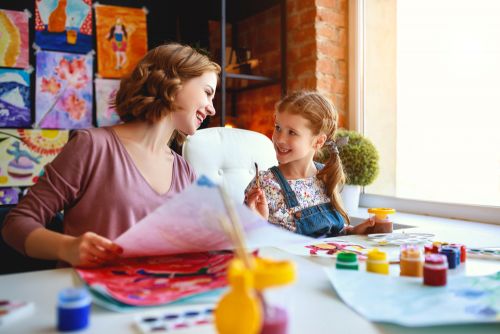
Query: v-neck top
x,y
97,184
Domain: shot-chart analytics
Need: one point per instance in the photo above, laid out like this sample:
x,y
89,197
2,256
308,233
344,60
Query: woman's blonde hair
x,y
148,93
323,118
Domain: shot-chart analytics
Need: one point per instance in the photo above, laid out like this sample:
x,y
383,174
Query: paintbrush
x,y
234,229
257,177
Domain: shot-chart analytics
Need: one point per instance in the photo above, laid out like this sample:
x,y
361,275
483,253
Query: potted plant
x,y
360,162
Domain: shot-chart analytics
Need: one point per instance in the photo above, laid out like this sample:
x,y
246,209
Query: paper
x,y
188,223
406,301
15,110
14,36
154,281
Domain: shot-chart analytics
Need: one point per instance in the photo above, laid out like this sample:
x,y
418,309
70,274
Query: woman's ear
x,y
320,141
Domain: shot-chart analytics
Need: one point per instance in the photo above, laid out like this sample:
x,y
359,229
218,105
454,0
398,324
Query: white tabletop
x,y
316,307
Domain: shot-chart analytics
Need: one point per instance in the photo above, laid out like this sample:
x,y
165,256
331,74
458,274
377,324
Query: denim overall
x,y
316,221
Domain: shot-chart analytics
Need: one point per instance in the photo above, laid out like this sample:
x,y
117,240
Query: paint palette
x,y
169,321
400,238
11,311
491,253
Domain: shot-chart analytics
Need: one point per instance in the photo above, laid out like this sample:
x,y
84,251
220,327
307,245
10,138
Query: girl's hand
x,y
360,228
256,200
90,250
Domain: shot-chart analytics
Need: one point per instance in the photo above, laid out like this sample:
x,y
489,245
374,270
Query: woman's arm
x,y
89,249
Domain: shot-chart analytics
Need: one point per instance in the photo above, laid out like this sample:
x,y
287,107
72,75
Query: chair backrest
x,y
227,156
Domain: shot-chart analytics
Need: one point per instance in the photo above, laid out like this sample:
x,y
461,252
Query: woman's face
x,y
194,102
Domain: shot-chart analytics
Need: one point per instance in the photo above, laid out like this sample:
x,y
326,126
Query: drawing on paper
x,y
14,36
64,25
63,90
9,196
121,39
24,153
105,91
15,111
159,280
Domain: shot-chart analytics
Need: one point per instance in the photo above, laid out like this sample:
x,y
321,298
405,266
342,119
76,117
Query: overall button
x,y
298,215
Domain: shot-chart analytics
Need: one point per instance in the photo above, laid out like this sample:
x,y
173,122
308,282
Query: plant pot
x,y
350,197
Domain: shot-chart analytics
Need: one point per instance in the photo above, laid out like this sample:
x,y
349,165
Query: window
x,y
427,92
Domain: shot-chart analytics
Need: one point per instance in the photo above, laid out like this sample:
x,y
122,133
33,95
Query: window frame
x,y
356,120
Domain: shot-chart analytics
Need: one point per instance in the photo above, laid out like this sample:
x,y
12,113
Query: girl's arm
x,y
256,200
360,228
89,249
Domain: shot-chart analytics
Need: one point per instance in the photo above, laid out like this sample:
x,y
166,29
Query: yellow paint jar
x,y
376,262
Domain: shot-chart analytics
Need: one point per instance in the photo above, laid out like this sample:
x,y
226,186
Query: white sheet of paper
x,y
406,301
188,222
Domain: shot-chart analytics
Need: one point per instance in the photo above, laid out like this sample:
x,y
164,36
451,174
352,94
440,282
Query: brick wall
x,y
316,57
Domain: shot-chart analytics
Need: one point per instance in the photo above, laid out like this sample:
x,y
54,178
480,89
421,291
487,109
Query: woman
x,y
107,179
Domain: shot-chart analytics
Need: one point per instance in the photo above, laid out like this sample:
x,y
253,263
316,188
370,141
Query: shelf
x,y
248,77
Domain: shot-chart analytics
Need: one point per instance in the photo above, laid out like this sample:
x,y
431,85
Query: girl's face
x,y
194,102
293,139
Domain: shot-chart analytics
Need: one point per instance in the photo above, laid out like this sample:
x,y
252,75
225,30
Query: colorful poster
x,y
15,108
407,302
105,92
14,37
24,153
64,25
9,196
121,39
63,90
154,281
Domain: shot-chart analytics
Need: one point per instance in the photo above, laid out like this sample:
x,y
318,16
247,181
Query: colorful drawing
x,y
24,153
15,108
63,90
332,248
105,92
9,196
64,25
406,301
121,39
159,280
14,38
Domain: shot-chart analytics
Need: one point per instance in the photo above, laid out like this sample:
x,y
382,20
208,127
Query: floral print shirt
x,y
309,192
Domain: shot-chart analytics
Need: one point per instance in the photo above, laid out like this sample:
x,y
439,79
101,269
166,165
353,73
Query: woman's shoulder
x,y
185,170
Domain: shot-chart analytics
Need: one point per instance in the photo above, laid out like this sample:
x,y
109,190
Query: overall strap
x,y
290,198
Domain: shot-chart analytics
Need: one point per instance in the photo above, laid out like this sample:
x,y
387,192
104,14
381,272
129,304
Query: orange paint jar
x,y
411,263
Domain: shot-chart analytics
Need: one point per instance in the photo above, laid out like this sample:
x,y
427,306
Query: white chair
x,y
227,156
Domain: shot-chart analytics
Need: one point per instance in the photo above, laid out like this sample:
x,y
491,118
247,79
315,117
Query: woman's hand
x,y
89,250
256,200
360,228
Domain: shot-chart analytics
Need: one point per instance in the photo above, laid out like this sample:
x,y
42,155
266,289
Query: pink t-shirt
x,y
96,183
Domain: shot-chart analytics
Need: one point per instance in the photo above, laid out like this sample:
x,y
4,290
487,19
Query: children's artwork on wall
x,y
105,91
63,90
15,108
24,153
14,37
9,196
121,39
159,280
64,25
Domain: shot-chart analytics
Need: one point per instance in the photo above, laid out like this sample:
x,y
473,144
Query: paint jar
x,y
453,256
376,262
383,220
435,270
463,251
347,261
271,280
410,261
73,309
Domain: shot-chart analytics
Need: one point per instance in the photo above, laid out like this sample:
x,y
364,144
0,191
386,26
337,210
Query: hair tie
x,y
333,145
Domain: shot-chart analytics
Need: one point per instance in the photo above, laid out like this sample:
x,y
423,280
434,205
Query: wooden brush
x,y
234,229
257,177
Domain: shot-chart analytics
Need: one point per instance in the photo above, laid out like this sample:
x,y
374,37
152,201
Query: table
x,y
316,307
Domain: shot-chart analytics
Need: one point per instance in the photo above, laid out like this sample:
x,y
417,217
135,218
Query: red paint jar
x,y
435,270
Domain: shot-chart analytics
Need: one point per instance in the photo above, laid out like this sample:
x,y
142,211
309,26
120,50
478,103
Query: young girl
x,y
107,179
299,194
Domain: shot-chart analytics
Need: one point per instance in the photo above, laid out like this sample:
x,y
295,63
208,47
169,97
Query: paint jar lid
x,y
347,257
435,259
410,251
376,255
74,298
